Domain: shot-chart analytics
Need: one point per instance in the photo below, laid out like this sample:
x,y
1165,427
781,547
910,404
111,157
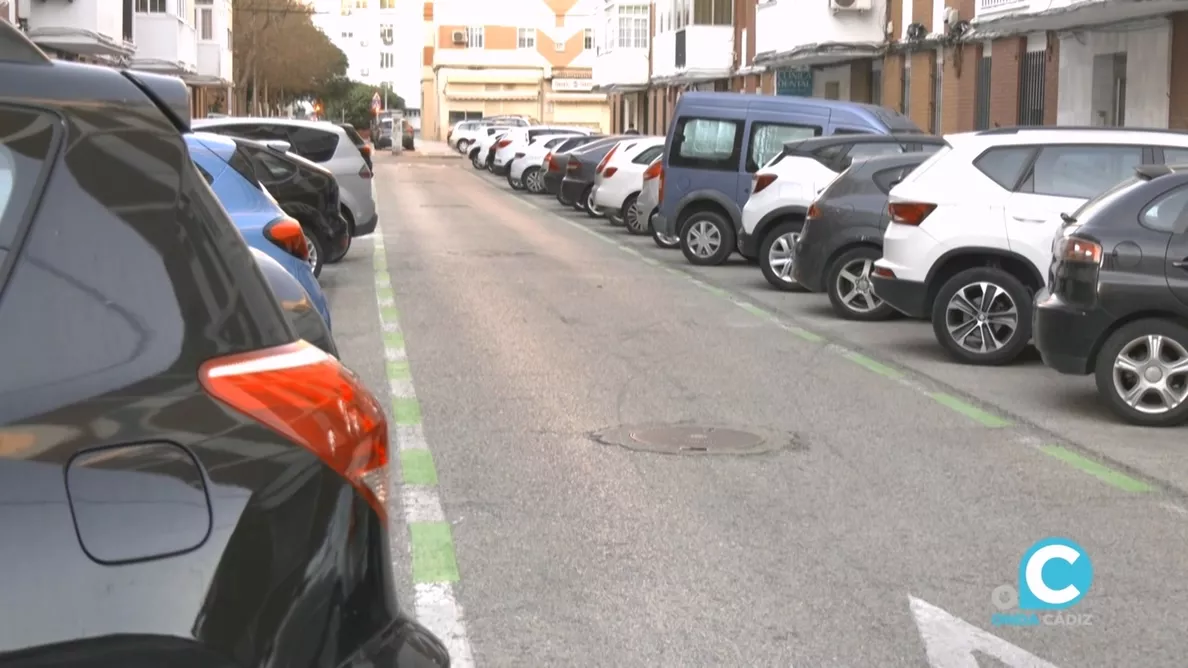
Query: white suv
x,y
619,179
784,188
970,238
528,170
517,139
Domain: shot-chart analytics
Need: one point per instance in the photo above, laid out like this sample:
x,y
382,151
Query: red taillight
x,y
503,143
762,181
882,272
813,212
909,213
605,159
1073,249
548,161
365,172
307,396
661,177
609,172
573,166
653,171
287,233
366,150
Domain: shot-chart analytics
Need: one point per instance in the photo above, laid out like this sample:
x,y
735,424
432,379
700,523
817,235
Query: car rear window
x,y
25,142
241,163
354,136
313,144
1005,165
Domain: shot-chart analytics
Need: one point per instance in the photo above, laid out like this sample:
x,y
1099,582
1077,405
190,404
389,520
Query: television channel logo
x,y
1054,575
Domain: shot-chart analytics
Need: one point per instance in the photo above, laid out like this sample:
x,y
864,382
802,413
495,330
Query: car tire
x,y
667,243
516,184
847,282
780,244
1133,343
632,219
474,159
317,256
533,180
588,205
335,259
614,220
464,147
561,197
707,238
954,321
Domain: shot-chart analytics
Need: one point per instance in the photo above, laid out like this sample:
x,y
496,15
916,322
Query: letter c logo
x,y
1069,575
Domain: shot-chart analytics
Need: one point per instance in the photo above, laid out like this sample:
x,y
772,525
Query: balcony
x,y
214,47
621,34
214,63
167,44
95,28
1021,16
693,53
814,34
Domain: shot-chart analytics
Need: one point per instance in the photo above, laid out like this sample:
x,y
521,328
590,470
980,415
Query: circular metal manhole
x,y
690,440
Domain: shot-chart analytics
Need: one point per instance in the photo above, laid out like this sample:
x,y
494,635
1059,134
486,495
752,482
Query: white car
x,y
649,201
619,179
784,188
532,155
517,139
463,135
528,169
325,143
481,151
970,239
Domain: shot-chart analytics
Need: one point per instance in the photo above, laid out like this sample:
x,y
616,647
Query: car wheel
x,y
316,257
707,238
516,184
983,316
561,197
847,282
662,240
533,180
474,159
615,220
632,219
334,259
1142,373
777,255
588,205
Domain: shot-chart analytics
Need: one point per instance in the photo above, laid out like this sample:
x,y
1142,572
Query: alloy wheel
x,y
982,317
854,286
704,238
536,182
632,219
1151,374
782,256
313,253
590,207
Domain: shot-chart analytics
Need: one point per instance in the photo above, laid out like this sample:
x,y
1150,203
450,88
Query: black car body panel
x,y
575,182
852,211
299,310
573,147
145,522
1138,275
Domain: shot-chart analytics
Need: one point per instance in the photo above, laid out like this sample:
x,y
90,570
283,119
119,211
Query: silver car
x,y
649,201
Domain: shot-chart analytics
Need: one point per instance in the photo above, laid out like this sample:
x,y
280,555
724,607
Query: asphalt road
x,y
523,342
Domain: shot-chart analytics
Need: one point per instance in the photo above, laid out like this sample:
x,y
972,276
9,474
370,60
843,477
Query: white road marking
x,y
438,609
950,642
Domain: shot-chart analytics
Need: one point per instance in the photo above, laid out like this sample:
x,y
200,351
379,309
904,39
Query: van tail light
x,y
761,182
814,212
1081,251
308,397
653,171
605,159
609,172
287,233
365,172
503,143
909,213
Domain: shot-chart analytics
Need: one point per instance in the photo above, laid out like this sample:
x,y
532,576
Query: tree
x,y
280,56
350,102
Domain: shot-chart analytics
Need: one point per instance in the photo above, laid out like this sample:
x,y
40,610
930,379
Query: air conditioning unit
x,y
850,5
459,36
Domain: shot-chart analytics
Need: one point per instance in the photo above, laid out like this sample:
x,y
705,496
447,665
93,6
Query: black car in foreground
x,y
843,235
534,178
558,165
183,481
1116,304
306,191
577,185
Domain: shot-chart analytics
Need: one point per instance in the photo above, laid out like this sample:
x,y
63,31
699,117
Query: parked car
x,y
718,140
482,151
257,216
168,464
971,229
537,161
618,183
305,190
530,157
648,203
843,235
365,149
299,308
382,132
577,185
558,162
407,135
328,145
1117,301
517,139
782,191
466,133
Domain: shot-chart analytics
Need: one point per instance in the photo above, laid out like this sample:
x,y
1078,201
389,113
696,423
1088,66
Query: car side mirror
x,y
278,145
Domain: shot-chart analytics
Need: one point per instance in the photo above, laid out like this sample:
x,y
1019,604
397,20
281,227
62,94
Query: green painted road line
x,y
874,365
417,467
1096,469
382,277
393,340
384,292
399,370
407,410
432,552
806,335
969,410
389,313
714,290
753,310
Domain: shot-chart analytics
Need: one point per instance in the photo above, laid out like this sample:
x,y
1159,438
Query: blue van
x,y
718,140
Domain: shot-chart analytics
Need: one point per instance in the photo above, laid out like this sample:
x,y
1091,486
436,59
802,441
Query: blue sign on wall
x,y
794,81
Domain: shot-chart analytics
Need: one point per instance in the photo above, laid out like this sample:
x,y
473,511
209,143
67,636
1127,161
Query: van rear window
x,y
707,143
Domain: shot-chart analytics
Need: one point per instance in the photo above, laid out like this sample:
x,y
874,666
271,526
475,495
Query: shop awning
x,y
824,53
1104,14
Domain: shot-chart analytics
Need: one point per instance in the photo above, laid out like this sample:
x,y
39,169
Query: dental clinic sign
x,y
573,85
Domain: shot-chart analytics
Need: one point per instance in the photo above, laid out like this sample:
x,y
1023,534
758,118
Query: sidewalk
x,y
431,149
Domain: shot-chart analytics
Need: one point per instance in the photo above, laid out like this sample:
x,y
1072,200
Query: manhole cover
x,y
691,440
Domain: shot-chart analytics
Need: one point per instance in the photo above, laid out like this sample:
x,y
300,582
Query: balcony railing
x,y
995,6
680,55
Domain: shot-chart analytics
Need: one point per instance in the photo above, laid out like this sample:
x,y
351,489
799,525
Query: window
x,y
554,141
832,90
348,35
271,169
887,178
767,140
707,143
386,35
150,6
26,140
205,24
387,61
870,150
1080,171
474,38
709,12
1004,165
525,38
1166,214
588,39
938,74
633,27
241,164
183,10
1175,156
387,4
559,47
205,174
647,155
360,4
312,143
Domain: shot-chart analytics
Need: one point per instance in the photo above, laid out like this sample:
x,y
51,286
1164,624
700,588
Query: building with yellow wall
x,y
476,64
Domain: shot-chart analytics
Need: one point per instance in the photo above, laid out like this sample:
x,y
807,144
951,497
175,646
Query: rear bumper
x,y
1065,336
572,190
748,244
907,297
663,225
809,268
552,181
366,227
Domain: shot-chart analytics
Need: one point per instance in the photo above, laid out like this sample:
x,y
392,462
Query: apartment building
x,y
190,39
526,57
382,42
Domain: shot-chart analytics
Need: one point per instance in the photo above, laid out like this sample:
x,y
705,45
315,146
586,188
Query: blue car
x,y
253,210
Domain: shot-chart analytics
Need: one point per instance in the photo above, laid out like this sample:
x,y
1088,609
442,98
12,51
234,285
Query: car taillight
x,y
1081,251
366,150
762,181
609,172
573,166
287,233
909,213
307,396
605,159
653,171
813,212
365,172
882,272
503,143
548,161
